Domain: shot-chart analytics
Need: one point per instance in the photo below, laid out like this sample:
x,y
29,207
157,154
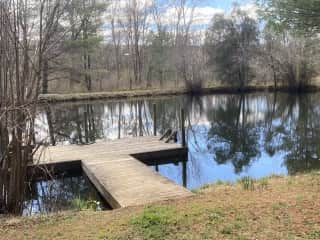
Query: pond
x,y
228,136
62,190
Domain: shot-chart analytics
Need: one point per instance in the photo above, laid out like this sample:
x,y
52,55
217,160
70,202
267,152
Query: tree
x,y
230,44
84,21
183,20
158,52
287,59
51,34
293,14
116,35
26,37
134,24
291,44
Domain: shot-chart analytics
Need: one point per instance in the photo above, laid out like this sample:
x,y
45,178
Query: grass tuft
x,y
154,222
247,183
263,183
215,216
226,230
315,234
80,204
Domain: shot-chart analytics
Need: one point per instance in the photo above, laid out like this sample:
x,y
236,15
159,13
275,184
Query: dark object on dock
x,y
172,137
166,134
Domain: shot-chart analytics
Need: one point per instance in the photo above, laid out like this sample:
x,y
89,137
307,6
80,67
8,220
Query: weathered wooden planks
x,y
113,168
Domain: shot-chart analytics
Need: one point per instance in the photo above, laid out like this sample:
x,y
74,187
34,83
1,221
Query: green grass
x,y
314,234
80,204
215,216
211,185
223,183
279,205
154,222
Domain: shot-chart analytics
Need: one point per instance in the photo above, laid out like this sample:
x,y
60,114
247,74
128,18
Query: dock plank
x,y
113,167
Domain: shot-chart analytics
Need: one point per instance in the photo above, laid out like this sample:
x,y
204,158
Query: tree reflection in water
x,y
46,195
232,137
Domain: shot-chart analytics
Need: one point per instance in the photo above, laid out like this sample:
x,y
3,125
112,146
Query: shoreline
x,y
131,94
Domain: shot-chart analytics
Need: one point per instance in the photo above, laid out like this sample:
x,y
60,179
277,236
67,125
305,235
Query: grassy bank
x,y
53,98
283,208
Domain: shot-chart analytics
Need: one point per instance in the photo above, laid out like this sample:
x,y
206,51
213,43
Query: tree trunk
x,y
45,77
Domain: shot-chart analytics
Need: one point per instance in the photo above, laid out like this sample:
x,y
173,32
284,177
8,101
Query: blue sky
x,y
223,4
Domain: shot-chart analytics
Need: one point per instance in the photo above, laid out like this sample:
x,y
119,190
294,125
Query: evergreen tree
x,y
298,15
84,19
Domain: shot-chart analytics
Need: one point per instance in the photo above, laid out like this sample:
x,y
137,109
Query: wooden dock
x,y
113,167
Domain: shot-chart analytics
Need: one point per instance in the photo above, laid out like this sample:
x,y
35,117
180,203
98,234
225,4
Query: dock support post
x,y
184,173
183,133
154,120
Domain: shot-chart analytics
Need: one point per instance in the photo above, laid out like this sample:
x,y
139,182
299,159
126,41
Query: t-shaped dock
x,y
113,167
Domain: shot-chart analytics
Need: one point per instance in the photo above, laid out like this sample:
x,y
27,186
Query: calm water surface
x,y
229,136
61,193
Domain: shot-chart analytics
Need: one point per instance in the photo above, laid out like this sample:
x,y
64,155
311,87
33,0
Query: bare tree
x,y
135,25
287,60
184,11
116,35
25,40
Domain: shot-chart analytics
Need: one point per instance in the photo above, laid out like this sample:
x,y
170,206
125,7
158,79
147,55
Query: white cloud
x,y
251,9
120,7
201,16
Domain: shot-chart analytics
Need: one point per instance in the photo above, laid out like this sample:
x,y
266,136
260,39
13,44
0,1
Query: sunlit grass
x,y
81,204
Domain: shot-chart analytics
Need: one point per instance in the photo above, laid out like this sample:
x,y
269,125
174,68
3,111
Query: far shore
x,y
129,94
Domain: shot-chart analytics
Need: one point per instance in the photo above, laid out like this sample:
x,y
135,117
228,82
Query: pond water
x,y
229,136
63,191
